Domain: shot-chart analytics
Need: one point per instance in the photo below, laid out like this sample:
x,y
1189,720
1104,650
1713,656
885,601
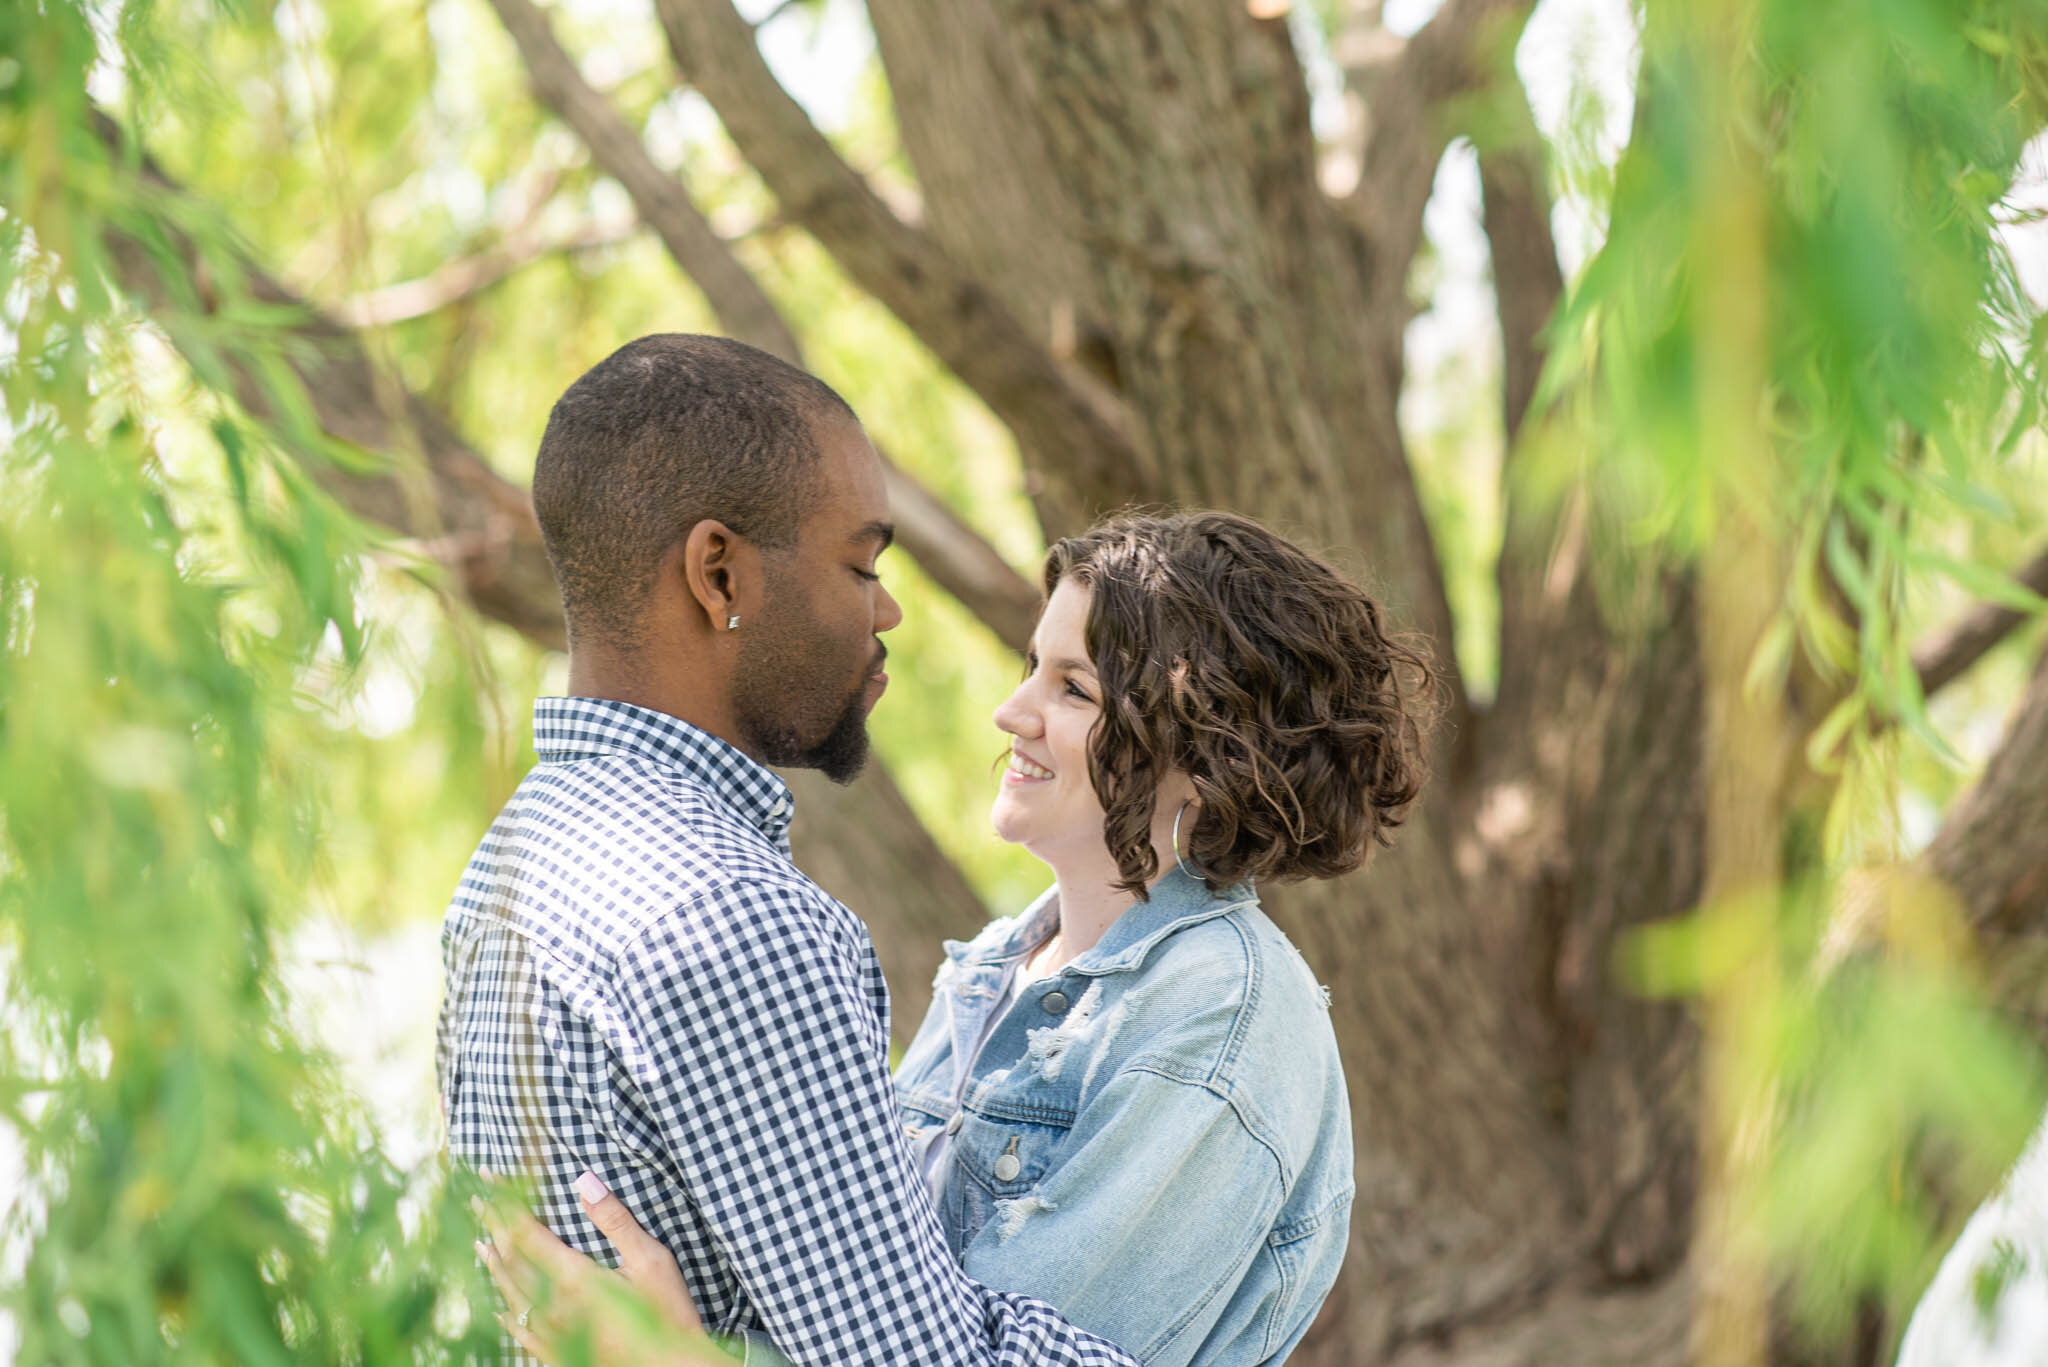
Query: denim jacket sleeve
x,y
1143,1231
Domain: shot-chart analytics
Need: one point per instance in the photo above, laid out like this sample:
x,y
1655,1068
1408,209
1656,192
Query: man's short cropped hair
x,y
667,431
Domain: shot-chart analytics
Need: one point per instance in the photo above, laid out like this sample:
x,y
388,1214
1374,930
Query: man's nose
x,y
888,612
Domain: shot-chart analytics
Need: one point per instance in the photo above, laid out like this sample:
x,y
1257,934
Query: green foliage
x,y
2007,1265
1816,190
1903,361
198,1189
1877,1086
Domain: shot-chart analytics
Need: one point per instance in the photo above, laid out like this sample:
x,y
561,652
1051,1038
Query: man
x,y
640,982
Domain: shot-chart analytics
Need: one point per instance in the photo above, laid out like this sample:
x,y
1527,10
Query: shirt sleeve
x,y
750,1036
1143,1232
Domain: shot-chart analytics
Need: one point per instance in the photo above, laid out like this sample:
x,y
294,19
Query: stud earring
x,y
732,623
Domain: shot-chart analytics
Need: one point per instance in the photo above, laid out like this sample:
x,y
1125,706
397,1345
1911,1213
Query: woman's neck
x,y
1088,908
1089,903
1090,900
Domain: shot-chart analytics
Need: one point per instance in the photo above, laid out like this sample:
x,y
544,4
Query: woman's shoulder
x,y
1244,943
1239,1012
1236,984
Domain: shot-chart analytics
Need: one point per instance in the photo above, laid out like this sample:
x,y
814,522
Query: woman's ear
x,y
721,570
1176,788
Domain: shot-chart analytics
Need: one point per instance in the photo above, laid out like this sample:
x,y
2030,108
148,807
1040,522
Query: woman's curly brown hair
x,y
1234,656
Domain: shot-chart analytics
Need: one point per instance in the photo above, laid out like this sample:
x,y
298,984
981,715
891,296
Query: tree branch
x,y
481,521
966,326
963,104
944,546
1554,645
1406,88
960,560
664,204
1527,280
1993,848
470,275
782,8
1948,654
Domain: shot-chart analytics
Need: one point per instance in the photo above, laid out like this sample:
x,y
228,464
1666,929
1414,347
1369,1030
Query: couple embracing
x,y
1121,1133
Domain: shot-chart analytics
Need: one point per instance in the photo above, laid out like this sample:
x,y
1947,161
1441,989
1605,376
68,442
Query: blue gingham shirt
x,y
641,983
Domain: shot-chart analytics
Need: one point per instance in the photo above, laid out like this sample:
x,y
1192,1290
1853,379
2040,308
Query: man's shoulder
x,y
586,857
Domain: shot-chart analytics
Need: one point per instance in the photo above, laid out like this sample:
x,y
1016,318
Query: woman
x,y
1127,1100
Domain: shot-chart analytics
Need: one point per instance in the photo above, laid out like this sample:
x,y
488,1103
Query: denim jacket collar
x,y
1177,901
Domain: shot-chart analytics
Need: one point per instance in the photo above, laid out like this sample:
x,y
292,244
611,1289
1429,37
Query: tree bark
x,y
1049,407
1993,848
964,104
1949,654
1410,89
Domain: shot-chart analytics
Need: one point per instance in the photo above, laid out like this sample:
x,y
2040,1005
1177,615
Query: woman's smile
x,y
1024,770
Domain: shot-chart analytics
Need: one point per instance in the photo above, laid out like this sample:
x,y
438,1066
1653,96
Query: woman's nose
x,y
1015,717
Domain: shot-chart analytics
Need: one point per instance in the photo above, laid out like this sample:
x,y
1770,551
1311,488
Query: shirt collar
x,y
569,729
1177,901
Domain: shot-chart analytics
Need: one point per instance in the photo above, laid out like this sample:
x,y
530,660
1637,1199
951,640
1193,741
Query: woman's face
x,y
1046,802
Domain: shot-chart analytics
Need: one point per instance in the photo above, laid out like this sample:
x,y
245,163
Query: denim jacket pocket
x,y
997,1162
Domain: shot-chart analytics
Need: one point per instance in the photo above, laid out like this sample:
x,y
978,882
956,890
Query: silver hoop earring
x,y
1177,858
732,623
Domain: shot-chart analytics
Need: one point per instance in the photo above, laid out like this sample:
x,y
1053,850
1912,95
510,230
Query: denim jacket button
x,y
953,1125
1007,1168
1055,1004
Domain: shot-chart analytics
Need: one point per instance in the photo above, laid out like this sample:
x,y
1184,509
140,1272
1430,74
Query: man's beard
x,y
839,756
774,717
844,751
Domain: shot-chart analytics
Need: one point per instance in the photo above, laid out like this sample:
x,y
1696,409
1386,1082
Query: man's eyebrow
x,y
884,532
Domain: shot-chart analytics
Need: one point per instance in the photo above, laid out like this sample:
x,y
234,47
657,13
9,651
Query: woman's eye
x,y
1076,691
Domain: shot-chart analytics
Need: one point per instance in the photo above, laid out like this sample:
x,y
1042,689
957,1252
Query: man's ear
x,y
722,572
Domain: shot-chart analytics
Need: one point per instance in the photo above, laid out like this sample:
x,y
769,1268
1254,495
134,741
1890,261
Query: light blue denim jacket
x,y
1155,1138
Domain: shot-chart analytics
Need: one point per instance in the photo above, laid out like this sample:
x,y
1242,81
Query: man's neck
x,y
679,693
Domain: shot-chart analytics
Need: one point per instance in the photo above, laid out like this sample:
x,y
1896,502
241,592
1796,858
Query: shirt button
x,y
1055,1003
781,806
1007,1168
953,1125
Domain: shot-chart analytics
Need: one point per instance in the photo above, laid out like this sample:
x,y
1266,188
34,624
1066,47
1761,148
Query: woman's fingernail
x,y
591,1188
483,1255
